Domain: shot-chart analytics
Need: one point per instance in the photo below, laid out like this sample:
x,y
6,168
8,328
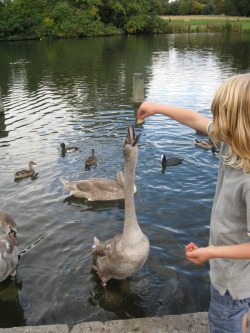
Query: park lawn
x,y
201,20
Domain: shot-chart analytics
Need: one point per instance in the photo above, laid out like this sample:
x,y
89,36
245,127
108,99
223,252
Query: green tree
x,y
242,7
182,8
207,9
173,8
196,7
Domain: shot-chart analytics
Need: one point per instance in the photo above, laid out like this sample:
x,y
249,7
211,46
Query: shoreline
x,y
184,323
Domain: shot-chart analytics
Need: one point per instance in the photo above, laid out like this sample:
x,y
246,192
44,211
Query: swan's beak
x,y
131,139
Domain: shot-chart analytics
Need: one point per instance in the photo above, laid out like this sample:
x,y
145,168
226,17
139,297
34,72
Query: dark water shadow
x,y
117,297
11,314
89,167
94,205
3,132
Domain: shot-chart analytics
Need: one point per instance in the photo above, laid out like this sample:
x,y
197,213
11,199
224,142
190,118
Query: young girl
x,y
229,244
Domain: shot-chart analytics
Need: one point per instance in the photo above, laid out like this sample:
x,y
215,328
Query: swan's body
x,y
91,160
97,189
122,255
8,246
170,161
26,173
68,149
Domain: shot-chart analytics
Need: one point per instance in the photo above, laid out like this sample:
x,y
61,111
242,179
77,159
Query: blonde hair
x,y
231,120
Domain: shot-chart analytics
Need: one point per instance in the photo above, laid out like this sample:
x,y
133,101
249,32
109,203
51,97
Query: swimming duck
x,y
68,149
170,161
207,144
8,246
91,160
26,173
122,255
97,189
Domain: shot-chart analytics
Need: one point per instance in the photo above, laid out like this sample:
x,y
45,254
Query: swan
x,y
26,173
91,160
170,161
122,255
97,189
8,246
68,149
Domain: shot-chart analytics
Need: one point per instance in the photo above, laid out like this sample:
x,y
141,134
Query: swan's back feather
x,y
95,189
8,257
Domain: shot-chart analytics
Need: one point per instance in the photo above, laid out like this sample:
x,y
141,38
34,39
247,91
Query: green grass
x,y
202,23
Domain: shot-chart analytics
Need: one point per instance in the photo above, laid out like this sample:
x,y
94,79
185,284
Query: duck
x,y
91,160
121,256
26,173
8,246
97,189
207,144
68,149
170,161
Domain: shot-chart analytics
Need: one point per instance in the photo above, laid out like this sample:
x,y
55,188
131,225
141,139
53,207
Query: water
x,y
80,92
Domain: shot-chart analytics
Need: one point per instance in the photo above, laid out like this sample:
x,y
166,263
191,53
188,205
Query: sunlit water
x,y
80,92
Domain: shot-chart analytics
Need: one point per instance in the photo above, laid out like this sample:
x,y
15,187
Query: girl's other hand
x,y
198,255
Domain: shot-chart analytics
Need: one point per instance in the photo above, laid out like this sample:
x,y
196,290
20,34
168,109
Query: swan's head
x,y
9,225
130,143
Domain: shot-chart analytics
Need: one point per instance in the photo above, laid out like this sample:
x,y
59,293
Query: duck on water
x,y
26,173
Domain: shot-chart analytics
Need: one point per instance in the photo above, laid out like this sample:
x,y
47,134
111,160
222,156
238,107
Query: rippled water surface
x,y
80,92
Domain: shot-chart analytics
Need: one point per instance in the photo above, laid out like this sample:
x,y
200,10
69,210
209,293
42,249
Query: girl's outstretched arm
x,y
198,255
187,117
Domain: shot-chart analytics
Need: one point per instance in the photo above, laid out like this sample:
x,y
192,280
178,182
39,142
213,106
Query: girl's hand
x,y
198,255
147,109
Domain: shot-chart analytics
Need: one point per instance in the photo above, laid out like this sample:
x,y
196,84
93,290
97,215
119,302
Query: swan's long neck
x,y
131,226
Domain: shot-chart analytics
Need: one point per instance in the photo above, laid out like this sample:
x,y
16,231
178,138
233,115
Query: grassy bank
x,y
203,23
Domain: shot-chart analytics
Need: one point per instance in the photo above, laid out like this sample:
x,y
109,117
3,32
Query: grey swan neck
x,y
131,227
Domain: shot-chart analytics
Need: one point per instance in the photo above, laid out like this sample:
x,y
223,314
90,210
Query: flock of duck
x,y
118,257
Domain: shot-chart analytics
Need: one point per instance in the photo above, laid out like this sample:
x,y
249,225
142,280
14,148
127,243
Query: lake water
x,y
80,92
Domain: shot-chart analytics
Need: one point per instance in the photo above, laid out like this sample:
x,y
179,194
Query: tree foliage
x,y
207,7
25,19
22,19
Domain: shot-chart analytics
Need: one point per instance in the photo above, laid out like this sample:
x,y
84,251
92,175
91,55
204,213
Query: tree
x,y
196,7
173,8
207,9
182,8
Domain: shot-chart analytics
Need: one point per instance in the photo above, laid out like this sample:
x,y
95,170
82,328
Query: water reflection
x,y
118,297
3,132
94,205
80,92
